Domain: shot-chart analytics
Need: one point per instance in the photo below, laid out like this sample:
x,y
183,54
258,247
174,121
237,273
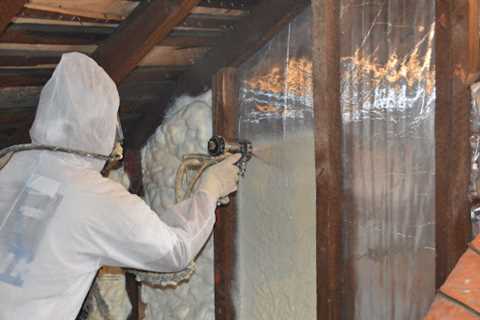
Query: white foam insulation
x,y
186,129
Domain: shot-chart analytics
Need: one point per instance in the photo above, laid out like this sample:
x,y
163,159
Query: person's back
x,y
46,272
60,220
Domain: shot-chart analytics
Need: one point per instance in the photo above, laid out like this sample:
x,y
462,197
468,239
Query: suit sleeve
x,y
136,237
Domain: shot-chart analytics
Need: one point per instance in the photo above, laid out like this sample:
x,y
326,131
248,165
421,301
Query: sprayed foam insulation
x,y
276,246
186,129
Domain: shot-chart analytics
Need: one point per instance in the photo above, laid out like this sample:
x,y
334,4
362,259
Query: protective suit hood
x,y
77,108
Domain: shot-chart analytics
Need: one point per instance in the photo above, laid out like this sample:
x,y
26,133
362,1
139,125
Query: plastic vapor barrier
x,y
276,204
388,104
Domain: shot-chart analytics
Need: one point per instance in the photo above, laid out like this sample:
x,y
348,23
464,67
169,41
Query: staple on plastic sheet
x,y
275,276
388,104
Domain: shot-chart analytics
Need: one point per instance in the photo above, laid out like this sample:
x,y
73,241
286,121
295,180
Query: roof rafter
x,y
150,23
236,46
8,9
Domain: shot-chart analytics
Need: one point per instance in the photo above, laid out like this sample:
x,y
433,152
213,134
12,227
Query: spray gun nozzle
x,y
218,146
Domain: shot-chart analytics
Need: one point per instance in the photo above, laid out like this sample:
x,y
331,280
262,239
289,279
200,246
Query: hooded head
x,y
78,107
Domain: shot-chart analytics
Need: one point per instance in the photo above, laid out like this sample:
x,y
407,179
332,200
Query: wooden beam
x,y
328,159
25,77
250,34
27,58
452,131
8,9
55,34
225,109
19,98
98,9
150,23
48,15
231,4
14,77
88,35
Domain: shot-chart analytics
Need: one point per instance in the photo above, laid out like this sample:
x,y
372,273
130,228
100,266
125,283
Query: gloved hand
x,y
221,179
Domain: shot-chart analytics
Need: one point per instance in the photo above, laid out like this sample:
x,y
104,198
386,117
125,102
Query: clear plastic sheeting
x,y
388,102
474,188
276,275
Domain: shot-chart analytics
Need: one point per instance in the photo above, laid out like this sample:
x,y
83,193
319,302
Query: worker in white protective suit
x,y
61,220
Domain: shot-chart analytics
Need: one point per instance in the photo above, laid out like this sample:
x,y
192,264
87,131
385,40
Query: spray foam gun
x,y
218,150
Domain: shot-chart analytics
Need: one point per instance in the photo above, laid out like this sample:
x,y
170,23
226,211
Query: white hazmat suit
x,y
60,220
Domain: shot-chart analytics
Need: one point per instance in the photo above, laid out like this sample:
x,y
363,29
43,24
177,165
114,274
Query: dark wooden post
x,y
328,136
456,59
225,108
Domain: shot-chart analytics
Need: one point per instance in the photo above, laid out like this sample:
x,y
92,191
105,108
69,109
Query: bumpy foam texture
x,y
186,129
112,293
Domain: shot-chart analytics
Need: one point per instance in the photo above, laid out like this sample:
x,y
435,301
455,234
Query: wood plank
x,y
100,9
225,116
219,11
55,34
474,35
23,58
149,74
48,15
328,159
19,98
210,21
139,93
131,92
452,132
8,9
171,56
237,45
24,77
12,77
149,24
43,48
231,4
34,33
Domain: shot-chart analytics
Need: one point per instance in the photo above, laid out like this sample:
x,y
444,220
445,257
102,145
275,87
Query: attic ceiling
x,y
153,49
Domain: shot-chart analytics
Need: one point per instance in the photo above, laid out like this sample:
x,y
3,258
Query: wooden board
x,y
171,56
328,160
455,69
8,9
101,9
225,108
150,23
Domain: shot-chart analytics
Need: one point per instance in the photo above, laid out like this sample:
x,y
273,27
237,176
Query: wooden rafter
x,y
225,109
150,23
8,9
237,45
456,67
328,158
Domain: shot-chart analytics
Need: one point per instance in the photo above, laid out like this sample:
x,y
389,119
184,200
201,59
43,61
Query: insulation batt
x,y
186,129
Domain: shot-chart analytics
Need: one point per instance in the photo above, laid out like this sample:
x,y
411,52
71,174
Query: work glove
x,y
221,179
